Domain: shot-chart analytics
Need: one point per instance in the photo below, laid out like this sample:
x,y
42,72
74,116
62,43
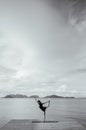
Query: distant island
x,y
53,96
16,96
33,96
20,96
56,96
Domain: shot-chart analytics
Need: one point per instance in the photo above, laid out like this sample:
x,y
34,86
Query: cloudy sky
x,y
43,47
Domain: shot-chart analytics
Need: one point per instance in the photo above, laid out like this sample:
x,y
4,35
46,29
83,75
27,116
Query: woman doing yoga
x,y
42,107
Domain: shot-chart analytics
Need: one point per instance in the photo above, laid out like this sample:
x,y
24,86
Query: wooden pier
x,y
39,125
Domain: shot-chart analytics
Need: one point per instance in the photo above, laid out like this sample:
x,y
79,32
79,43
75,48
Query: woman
x,y
42,107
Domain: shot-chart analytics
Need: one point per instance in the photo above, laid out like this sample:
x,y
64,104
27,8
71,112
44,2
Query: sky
x,y
43,47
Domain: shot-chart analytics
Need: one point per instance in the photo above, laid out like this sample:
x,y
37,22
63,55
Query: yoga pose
x,y
42,107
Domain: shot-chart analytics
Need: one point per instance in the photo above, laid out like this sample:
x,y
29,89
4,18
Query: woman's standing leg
x,y
44,115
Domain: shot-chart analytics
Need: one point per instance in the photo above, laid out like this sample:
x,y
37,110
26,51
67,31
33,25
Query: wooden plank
x,y
18,125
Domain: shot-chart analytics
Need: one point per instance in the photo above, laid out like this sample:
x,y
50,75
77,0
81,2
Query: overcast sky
x,y
43,47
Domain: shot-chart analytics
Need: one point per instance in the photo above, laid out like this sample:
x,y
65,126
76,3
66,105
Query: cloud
x,y
62,88
77,72
42,47
72,12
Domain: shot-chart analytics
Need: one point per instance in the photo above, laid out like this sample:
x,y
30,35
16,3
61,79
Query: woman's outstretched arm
x,y
36,100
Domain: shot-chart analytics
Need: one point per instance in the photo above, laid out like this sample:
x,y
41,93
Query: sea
x,y
27,108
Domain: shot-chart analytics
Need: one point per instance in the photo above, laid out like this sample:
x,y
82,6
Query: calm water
x,y
59,109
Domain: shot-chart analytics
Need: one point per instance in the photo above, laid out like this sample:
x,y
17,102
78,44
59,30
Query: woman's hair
x,y
39,102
